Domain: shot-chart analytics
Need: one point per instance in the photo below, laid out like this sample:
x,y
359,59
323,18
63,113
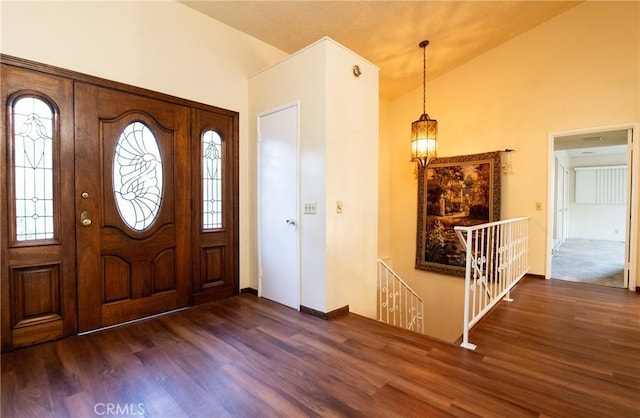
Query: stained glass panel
x,y
137,176
33,169
211,180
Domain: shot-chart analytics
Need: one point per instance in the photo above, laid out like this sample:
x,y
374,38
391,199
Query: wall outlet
x,y
310,208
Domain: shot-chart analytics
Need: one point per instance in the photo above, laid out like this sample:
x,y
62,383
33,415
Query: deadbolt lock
x,y
85,218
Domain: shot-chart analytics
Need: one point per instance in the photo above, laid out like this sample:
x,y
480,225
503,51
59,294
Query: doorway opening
x,y
592,228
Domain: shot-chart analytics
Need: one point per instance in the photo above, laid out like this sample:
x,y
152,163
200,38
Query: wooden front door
x,y
116,203
133,206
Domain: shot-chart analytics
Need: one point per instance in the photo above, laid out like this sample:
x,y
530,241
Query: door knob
x,y
85,218
290,221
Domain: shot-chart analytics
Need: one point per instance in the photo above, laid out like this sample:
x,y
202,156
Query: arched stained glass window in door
x,y
211,180
33,168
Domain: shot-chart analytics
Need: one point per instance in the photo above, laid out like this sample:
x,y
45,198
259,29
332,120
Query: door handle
x,y
85,218
290,221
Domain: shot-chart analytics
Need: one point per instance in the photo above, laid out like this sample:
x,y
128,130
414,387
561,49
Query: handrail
x,y
485,225
496,259
398,304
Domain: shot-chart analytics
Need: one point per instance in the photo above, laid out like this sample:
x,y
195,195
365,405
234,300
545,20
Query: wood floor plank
x,y
560,349
394,400
280,401
180,386
235,398
82,404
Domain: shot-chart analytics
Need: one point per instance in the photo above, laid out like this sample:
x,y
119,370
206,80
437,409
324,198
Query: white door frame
x,y
561,191
633,177
295,104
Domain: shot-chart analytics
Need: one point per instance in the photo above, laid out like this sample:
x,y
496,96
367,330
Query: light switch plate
x,y
310,208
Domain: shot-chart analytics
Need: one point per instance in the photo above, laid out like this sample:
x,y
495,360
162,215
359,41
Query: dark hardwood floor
x,y
561,349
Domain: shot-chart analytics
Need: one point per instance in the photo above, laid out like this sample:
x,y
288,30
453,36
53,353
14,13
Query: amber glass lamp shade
x,y
424,142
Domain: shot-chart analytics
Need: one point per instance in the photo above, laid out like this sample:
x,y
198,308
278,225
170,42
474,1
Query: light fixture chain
x,y
424,142
424,79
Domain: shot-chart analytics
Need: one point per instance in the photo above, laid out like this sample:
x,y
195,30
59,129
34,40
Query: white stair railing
x,y
497,257
398,304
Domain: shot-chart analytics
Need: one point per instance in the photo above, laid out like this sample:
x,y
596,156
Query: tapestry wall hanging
x,y
452,191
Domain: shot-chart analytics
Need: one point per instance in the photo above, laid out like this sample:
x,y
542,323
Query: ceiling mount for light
x,y
424,131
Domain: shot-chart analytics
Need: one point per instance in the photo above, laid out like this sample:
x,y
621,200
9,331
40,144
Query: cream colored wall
x,y
162,46
352,177
384,179
578,70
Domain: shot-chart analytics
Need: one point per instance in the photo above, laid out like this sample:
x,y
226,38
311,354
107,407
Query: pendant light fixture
x,y
424,131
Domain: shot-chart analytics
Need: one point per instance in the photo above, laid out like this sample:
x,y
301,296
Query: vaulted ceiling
x,y
387,33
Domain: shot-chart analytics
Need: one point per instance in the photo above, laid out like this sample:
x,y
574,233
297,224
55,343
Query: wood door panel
x,y
131,309
164,271
117,272
90,295
35,295
212,261
37,277
138,271
215,250
116,241
111,107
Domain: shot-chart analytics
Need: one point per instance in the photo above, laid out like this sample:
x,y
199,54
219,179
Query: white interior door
x,y
278,243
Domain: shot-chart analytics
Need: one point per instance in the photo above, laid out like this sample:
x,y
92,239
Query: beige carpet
x,y
589,261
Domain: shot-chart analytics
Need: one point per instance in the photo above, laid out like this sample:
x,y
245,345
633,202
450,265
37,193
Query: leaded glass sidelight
x,y
33,168
137,176
211,180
